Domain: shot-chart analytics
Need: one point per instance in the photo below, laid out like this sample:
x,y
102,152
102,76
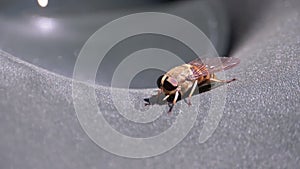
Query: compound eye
x,y
169,86
158,82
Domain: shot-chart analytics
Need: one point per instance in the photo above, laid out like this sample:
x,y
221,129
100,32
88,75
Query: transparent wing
x,y
205,66
197,62
217,64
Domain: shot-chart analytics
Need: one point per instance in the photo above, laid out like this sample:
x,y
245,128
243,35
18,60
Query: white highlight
x,y
44,24
43,3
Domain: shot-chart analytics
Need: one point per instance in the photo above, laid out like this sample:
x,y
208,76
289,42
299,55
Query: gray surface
x,y
260,126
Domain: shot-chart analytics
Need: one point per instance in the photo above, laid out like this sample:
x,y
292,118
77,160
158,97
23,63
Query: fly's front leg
x,y
171,105
166,97
176,97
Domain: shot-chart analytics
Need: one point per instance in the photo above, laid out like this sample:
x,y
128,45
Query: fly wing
x,y
204,66
216,64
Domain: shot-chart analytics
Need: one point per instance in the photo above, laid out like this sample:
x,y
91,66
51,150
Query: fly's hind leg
x,y
215,79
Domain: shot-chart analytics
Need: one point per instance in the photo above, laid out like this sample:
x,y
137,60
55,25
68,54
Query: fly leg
x,y
166,97
171,105
192,92
176,97
214,79
221,81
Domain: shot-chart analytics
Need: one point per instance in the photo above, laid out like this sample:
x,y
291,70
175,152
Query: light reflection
x,y
43,3
45,24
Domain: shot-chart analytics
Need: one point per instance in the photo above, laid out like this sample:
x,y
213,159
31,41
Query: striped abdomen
x,y
200,73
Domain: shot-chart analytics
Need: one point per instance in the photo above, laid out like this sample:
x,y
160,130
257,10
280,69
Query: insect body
x,y
179,80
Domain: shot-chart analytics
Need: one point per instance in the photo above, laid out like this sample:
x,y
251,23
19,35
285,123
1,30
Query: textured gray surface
x,y
260,127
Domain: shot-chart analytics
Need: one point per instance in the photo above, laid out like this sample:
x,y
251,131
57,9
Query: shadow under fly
x,y
159,99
